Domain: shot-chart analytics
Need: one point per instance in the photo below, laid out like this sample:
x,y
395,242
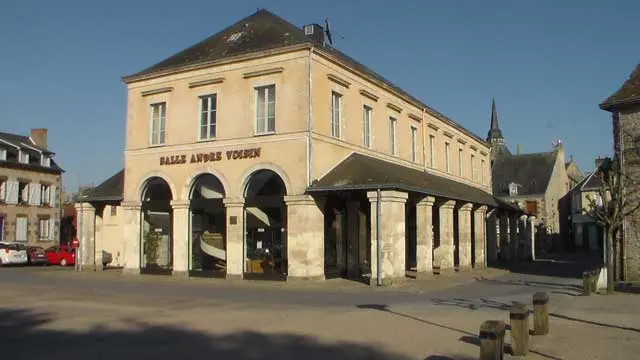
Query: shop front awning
x,y
362,172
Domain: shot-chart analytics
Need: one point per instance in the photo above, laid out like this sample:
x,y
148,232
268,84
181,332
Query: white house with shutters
x,y
29,189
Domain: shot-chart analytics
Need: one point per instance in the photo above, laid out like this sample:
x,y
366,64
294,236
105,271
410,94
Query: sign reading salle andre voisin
x,y
210,157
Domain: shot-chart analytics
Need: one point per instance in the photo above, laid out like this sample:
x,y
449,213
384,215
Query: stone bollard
x,y
519,316
540,313
586,283
492,340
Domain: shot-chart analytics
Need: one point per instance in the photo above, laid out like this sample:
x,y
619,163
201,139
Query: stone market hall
x,y
264,152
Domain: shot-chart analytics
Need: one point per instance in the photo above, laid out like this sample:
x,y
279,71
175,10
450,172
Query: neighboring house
x,y
29,189
624,106
105,214
573,172
260,150
535,181
586,233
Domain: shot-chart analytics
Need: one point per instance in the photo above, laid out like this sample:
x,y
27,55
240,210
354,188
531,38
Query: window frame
x,y
47,221
160,134
432,149
209,112
336,123
460,161
367,116
3,191
18,217
23,157
482,175
447,156
3,154
473,167
45,194
414,145
393,122
265,130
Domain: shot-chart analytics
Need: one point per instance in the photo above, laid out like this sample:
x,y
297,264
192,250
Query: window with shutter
x,y
12,192
44,229
35,194
3,191
22,224
52,229
53,196
23,188
1,228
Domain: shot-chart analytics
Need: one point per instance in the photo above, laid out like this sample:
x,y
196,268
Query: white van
x,y
12,253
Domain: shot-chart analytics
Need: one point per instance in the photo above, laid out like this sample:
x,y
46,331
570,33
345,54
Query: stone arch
x,y
142,184
185,193
248,174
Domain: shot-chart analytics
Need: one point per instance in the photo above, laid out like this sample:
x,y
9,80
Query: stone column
x,y
480,236
504,237
180,235
131,217
424,235
492,236
392,235
531,236
86,214
99,239
464,236
522,237
305,230
514,239
234,209
443,254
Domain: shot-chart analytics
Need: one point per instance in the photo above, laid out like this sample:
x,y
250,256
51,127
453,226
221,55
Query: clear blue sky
x,y
548,63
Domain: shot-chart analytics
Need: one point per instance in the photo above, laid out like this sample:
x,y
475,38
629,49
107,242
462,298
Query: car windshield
x,y
16,247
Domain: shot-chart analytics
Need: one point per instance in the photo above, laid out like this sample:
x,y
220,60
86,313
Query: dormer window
x,y
23,157
513,189
3,154
45,161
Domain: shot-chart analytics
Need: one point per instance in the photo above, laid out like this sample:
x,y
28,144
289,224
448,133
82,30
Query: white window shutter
x,y
53,195
12,192
52,228
36,193
3,192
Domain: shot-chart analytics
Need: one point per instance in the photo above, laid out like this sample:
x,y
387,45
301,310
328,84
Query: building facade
x,y
586,234
29,190
624,105
262,151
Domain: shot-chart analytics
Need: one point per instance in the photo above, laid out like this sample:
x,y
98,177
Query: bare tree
x,y
617,198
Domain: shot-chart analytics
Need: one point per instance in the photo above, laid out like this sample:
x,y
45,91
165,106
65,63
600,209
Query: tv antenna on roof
x,y
328,32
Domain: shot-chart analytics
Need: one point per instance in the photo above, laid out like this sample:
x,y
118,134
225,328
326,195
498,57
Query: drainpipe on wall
x,y
378,242
309,120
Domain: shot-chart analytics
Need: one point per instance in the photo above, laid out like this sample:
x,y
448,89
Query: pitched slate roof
x,y
24,143
19,140
111,189
262,31
362,172
628,93
532,172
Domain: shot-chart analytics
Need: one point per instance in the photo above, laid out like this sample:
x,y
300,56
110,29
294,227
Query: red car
x,y
62,255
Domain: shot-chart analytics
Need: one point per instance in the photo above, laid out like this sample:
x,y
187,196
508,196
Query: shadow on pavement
x,y
22,329
563,265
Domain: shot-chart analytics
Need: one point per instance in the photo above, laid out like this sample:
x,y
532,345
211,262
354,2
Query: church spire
x,y
495,134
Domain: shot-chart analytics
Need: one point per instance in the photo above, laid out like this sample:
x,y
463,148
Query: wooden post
x,y
586,283
492,340
519,317
540,313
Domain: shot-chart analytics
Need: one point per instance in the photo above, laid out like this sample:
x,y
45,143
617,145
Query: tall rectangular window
x,y
482,172
473,167
447,158
366,125
21,228
392,135
432,148
3,191
460,162
414,140
158,126
1,228
43,228
23,157
3,154
208,110
45,195
336,113
266,109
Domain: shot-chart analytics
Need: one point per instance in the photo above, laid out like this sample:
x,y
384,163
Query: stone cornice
x,y
194,84
338,80
157,91
265,72
369,95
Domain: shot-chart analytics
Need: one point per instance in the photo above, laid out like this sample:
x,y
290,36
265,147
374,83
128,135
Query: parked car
x,y
12,253
36,255
62,255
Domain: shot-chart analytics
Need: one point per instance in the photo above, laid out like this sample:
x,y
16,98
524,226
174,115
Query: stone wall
x,y
626,132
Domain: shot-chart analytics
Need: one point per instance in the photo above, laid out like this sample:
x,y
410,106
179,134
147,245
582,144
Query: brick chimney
x,y
39,137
